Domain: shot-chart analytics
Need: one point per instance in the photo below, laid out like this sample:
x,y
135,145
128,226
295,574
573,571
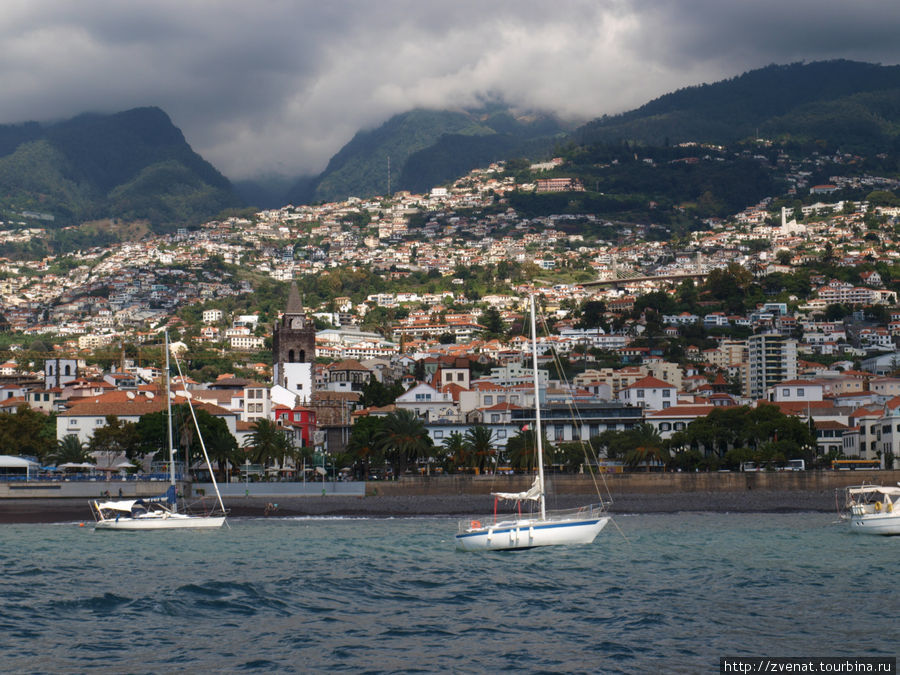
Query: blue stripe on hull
x,y
483,532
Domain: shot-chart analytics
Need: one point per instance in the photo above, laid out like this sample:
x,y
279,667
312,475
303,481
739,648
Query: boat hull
x,y
883,524
518,535
170,522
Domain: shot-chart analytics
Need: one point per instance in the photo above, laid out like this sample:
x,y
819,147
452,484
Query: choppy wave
x,y
671,592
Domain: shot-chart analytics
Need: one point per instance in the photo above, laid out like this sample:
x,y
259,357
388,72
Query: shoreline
x,y
61,510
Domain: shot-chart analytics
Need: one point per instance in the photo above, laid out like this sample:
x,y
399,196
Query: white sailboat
x,y
159,513
872,509
541,528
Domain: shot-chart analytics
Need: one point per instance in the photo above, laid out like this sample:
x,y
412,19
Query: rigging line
x,y
576,416
212,475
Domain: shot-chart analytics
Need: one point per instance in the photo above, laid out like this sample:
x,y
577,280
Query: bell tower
x,y
294,348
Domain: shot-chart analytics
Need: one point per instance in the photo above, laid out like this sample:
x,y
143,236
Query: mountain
x,y
419,149
132,165
845,104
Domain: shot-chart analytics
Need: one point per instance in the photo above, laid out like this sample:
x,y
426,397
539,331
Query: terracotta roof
x,y
348,364
829,424
683,411
502,406
798,407
650,383
135,408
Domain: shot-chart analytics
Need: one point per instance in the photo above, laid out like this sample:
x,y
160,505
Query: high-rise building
x,y
772,358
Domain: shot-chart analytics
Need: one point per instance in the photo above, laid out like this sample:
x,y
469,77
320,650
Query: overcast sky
x,y
278,86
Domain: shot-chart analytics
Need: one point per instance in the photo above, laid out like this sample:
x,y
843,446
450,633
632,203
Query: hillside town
x,y
645,330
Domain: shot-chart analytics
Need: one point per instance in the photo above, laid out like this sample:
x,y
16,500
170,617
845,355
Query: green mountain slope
x,y
833,101
130,165
426,148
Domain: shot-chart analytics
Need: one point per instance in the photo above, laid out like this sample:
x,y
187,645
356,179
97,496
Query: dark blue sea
x,y
654,593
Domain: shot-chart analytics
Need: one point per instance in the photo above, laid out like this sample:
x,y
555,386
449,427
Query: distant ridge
x,y
419,149
838,102
132,165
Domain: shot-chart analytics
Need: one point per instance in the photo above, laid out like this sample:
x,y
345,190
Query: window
x,y
666,404
785,392
73,422
501,433
800,391
460,377
667,393
489,400
438,434
665,426
495,418
640,393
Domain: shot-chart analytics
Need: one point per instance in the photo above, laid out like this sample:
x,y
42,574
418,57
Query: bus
x,y
856,464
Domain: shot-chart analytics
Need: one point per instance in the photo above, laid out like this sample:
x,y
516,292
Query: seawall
x,y
637,483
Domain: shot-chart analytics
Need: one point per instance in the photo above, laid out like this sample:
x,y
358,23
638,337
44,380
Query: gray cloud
x,y
279,85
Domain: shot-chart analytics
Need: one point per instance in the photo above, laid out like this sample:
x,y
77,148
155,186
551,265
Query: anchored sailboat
x,y
159,513
542,528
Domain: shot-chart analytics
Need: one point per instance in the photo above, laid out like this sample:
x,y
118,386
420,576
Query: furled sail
x,y
533,493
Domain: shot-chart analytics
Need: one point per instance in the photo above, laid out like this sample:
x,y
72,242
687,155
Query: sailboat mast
x,y
537,408
169,418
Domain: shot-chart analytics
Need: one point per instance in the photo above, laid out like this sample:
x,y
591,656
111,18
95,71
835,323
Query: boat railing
x,y
527,519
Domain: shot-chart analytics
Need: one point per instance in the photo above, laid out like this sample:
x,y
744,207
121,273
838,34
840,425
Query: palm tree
x,y
646,446
267,442
455,451
521,451
364,445
404,439
480,446
70,449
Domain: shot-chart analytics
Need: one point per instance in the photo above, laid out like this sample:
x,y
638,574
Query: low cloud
x,y
279,86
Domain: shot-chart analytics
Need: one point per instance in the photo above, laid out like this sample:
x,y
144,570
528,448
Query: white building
x,y
772,358
649,392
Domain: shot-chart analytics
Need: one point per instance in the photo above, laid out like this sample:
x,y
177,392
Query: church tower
x,y
294,350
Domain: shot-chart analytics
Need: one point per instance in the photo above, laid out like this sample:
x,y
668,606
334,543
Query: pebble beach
x,y
405,506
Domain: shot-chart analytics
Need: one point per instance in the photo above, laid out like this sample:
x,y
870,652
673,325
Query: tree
x,y
572,455
364,447
729,285
635,446
116,439
152,431
267,443
493,324
27,433
376,394
70,449
456,452
480,447
592,314
521,450
404,440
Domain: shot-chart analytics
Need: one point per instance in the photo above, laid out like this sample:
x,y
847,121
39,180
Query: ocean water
x,y
654,593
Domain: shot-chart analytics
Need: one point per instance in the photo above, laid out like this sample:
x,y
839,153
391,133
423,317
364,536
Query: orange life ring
x,y
476,524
